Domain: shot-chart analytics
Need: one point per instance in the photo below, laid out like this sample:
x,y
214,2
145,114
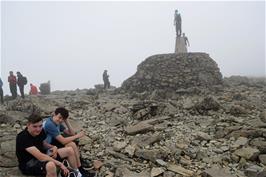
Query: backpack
x,y
24,80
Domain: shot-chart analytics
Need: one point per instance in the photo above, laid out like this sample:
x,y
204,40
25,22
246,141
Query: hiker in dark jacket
x,y
12,84
21,82
106,80
1,91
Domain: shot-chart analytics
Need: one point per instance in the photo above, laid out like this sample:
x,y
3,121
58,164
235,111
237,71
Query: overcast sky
x,y
71,43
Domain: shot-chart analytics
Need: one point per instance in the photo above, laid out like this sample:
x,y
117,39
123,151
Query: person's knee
x,y
70,150
51,168
71,144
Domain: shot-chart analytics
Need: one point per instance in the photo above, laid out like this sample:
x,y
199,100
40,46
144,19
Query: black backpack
x,y
24,79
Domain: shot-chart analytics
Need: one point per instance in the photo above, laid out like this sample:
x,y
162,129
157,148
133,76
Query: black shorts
x,y
37,168
57,144
34,167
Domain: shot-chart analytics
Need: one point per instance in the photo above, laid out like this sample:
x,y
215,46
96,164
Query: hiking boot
x,y
86,163
74,173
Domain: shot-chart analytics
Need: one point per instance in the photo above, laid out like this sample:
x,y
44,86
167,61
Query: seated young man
x,y
54,129
31,151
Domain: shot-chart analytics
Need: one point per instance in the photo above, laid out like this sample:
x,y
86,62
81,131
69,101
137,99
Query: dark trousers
x,y
1,95
106,84
13,90
21,89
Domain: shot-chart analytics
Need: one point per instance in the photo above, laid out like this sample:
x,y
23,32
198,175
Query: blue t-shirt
x,y
51,129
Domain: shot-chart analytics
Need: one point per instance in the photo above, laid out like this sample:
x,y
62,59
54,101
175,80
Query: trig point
x,y
181,41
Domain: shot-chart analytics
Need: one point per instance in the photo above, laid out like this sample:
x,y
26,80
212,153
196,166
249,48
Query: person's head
x,y
176,11
11,73
34,125
31,84
18,73
60,114
183,34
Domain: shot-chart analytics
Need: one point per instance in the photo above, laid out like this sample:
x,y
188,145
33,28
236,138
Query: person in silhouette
x,y
1,91
106,80
186,39
22,80
178,23
12,84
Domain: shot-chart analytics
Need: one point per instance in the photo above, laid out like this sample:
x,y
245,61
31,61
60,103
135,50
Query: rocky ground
x,y
218,133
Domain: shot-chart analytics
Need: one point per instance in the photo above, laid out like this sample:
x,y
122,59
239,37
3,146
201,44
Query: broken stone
x,y
247,153
139,128
215,172
180,170
156,171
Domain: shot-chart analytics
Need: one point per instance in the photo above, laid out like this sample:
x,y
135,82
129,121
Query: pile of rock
x,y
173,72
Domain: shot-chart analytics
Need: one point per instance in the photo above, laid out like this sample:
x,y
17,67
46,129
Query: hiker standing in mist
x,y
1,91
106,80
12,84
21,82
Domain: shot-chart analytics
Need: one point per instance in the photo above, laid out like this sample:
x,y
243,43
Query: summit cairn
x,y
173,72
180,72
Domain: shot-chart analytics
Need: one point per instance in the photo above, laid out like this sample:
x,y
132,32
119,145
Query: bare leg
x,y
50,169
76,151
68,152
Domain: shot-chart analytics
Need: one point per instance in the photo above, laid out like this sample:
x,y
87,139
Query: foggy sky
x,y
71,43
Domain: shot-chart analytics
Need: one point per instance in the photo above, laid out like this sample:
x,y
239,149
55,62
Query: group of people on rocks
x,y
15,81
47,147
21,81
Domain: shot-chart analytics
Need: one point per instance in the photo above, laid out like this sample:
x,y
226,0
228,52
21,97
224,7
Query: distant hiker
x,y
12,84
33,89
186,39
106,80
178,23
39,158
1,91
55,130
22,80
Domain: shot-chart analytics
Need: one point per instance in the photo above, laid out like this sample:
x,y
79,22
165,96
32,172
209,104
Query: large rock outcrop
x,y
173,72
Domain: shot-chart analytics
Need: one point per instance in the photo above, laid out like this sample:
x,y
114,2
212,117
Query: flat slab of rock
x,y
139,128
247,153
146,140
127,173
215,172
180,170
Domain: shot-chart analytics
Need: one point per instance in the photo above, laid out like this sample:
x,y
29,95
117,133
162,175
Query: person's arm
x,y
43,157
69,130
52,148
66,140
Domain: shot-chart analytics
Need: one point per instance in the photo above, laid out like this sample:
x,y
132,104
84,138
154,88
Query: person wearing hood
x,y
21,82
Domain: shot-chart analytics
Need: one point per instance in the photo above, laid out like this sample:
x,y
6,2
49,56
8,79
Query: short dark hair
x,y
33,118
63,111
